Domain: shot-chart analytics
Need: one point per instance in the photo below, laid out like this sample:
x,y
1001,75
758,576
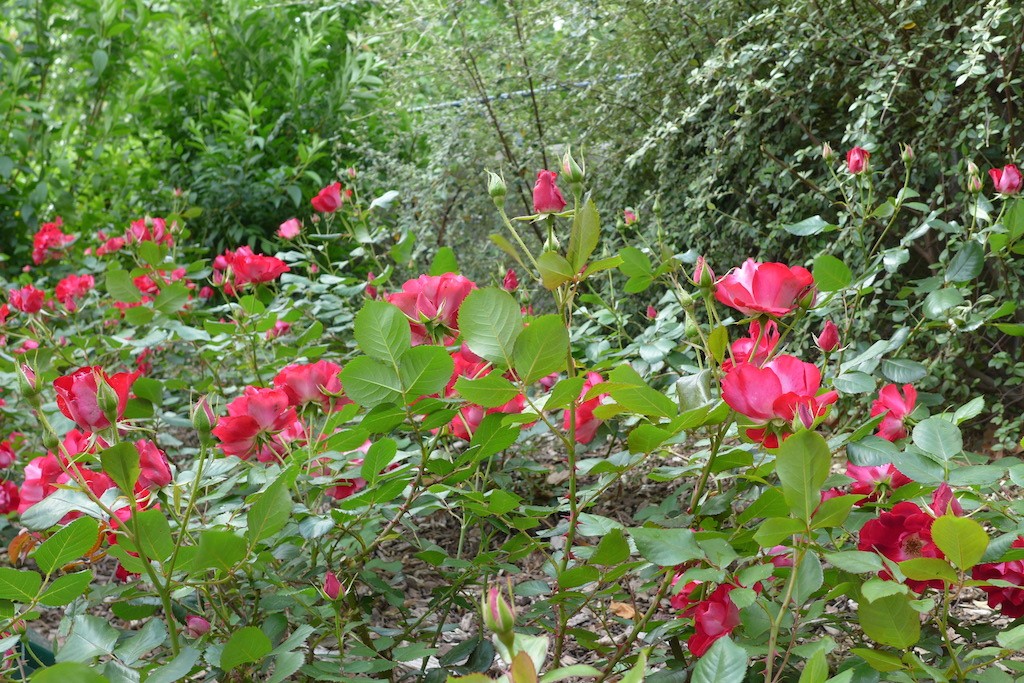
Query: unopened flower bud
x,y
27,383
496,188
196,626
906,153
106,398
629,216
690,329
974,184
572,171
203,419
499,616
703,276
332,587
370,290
828,340
827,153
808,299
652,313
510,283
685,300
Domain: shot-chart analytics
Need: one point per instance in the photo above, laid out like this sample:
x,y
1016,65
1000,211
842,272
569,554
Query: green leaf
x,y
890,620
854,382
941,300
121,287
369,382
961,539
834,511
831,274
630,391
635,263
444,262
220,550
69,543
382,331
879,661
808,226
541,349
602,264
554,270
803,465
871,451
809,578
613,549
724,662
585,234
90,637
99,62
928,568
378,457
939,437
492,436
246,645
903,371
20,585
564,393
177,669
490,322
68,672
1012,639
66,588
121,463
154,534
967,264
577,576
775,530
171,298
666,547
489,391
270,512
718,340
855,561
816,668
424,370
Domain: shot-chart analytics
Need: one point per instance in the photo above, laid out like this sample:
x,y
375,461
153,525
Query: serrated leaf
x,y
121,463
369,382
584,236
724,662
246,646
890,620
382,331
554,270
803,465
490,322
69,543
270,512
831,274
489,391
666,547
961,539
541,349
967,264
424,370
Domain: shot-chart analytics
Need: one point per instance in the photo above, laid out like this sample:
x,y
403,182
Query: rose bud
x,y
196,626
496,188
290,229
499,616
974,184
510,283
703,276
906,153
573,172
547,198
652,313
203,419
370,290
857,160
629,216
1007,180
827,152
332,587
828,340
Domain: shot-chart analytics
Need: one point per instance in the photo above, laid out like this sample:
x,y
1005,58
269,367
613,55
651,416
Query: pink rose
x,y
432,305
328,200
828,340
896,408
1007,180
290,229
772,288
547,198
857,160
77,396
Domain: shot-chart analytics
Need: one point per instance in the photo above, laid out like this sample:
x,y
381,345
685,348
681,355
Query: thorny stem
x,y
773,638
638,628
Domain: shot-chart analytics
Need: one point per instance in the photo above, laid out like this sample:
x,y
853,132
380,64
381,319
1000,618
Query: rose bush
x,y
268,468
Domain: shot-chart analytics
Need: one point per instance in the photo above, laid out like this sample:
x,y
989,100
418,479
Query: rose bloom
x,y
149,230
279,328
714,617
629,217
857,160
828,340
773,396
547,198
432,305
72,288
235,269
253,419
870,481
9,498
155,468
28,299
290,229
7,454
1007,180
108,245
328,200
77,395
312,383
1009,600
772,288
902,534
49,242
586,422
756,347
896,408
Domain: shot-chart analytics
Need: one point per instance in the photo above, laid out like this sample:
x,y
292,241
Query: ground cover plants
x,y
288,461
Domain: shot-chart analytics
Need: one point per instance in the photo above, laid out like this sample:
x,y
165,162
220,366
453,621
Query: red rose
x,y
77,395
155,468
149,230
586,422
28,299
904,533
714,617
511,281
755,348
314,382
72,288
857,160
1007,179
1010,600
869,481
248,267
40,480
895,408
772,288
547,198
471,366
332,587
254,420
9,498
784,389
432,305
290,229
945,503
49,242
328,199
